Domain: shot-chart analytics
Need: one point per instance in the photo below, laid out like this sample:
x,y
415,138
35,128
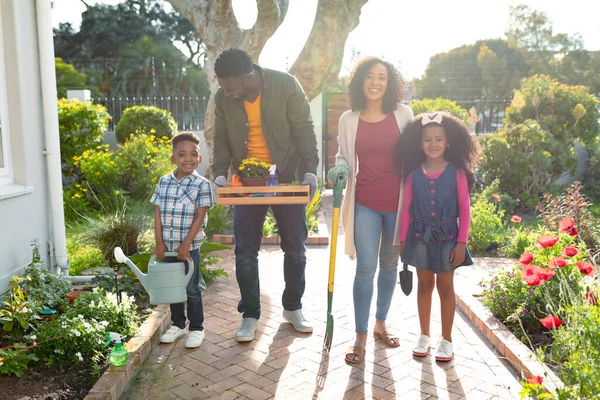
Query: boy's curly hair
x,y
463,152
394,92
183,136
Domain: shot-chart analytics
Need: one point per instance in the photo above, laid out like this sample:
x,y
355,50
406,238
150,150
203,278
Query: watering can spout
x,y
122,258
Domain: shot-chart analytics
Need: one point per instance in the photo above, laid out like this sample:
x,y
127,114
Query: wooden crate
x,y
246,195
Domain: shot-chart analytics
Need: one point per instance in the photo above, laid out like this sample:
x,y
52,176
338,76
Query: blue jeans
x,y
372,228
247,224
195,311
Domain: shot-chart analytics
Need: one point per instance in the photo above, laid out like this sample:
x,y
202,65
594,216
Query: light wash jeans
x,y
372,228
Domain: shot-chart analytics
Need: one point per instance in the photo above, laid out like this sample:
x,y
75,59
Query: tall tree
x,y
319,61
486,68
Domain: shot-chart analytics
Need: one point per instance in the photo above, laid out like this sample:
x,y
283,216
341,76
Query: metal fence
x,y
188,111
489,110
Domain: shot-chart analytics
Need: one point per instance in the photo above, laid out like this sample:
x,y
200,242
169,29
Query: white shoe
x,y
297,319
172,334
422,347
247,329
195,339
445,352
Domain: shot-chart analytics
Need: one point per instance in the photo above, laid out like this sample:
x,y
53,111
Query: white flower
x,y
92,304
33,337
78,354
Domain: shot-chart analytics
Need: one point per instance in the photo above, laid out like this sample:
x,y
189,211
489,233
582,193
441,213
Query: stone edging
x,y
113,382
506,343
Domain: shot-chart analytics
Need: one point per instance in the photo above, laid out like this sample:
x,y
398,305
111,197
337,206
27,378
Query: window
x,y
5,165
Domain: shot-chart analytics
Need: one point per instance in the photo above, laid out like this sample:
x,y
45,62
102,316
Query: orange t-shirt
x,y
257,145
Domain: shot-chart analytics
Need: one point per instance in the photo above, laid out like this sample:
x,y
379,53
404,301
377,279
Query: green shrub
x,y
486,224
44,287
141,161
67,77
439,104
147,120
517,242
576,350
120,226
134,169
83,256
524,158
81,125
566,112
591,179
15,361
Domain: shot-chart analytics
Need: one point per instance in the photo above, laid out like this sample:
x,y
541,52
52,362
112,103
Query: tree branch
x,y
267,21
320,61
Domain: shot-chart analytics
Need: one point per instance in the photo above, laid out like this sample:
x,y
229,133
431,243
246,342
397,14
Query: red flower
x,y
557,262
545,274
551,322
570,251
586,268
526,258
518,200
591,298
547,241
496,197
516,218
530,275
535,380
567,225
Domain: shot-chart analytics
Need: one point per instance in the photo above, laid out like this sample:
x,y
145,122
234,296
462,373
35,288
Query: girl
x,y
367,136
438,156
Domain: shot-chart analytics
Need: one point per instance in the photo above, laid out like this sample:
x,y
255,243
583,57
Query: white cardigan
x,y
347,128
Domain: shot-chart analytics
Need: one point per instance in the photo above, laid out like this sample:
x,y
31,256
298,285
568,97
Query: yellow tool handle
x,y
334,234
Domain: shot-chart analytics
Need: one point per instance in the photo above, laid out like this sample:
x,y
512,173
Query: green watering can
x,y
166,281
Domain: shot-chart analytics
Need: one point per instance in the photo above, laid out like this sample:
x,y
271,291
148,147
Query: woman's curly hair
x,y
394,92
463,152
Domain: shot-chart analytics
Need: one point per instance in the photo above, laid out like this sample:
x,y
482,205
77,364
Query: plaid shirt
x,y
178,201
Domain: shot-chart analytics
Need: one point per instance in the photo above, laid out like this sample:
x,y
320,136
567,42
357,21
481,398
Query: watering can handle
x,y
187,262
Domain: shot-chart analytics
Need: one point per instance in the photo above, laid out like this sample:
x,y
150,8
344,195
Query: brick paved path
x,y
283,364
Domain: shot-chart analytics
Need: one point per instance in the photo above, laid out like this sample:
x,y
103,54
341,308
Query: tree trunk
x,y
319,62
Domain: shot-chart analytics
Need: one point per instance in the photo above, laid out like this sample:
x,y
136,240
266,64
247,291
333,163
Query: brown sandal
x,y
353,352
392,341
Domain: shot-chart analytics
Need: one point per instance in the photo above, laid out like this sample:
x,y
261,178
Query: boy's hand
x,y
401,248
457,256
160,251
183,251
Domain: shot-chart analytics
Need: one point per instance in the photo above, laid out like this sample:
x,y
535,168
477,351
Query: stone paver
x,y
284,364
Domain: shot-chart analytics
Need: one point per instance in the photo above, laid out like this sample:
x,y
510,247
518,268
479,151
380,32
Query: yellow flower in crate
x,y
253,168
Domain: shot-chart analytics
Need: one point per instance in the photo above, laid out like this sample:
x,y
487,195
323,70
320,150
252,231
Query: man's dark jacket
x,y
286,125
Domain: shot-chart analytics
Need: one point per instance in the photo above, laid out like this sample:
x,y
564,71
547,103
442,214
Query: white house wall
x,y
24,208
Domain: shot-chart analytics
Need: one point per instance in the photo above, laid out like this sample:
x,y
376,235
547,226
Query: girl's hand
x,y
401,248
457,256
160,251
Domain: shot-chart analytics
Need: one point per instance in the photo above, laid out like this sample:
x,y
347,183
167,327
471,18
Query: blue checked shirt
x,y
178,202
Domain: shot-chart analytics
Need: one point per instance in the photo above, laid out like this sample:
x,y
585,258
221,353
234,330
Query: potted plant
x,y
254,172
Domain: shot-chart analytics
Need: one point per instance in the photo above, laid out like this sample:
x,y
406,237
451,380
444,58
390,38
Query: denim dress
x,y
433,230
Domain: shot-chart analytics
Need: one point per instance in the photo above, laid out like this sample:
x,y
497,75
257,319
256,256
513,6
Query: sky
x,y
404,32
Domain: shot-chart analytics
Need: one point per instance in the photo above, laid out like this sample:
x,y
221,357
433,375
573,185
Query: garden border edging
x,y
506,343
114,380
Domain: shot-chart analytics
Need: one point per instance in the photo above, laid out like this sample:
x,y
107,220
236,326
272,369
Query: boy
x,y
182,199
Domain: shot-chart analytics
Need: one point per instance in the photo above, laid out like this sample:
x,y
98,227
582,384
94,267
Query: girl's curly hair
x,y
394,92
463,152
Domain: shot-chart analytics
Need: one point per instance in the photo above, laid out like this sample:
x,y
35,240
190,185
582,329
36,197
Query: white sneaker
x,y
445,352
172,334
297,319
422,347
247,329
194,339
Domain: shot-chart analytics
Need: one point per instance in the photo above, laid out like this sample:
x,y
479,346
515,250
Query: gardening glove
x,y
311,180
338,169
221,181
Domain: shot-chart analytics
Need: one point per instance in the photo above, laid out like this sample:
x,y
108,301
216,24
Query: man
x,y
264,114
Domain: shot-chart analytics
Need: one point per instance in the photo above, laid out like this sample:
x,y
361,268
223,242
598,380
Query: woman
x,y
367,137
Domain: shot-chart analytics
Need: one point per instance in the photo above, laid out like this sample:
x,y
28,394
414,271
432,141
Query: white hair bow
x,y
433,117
